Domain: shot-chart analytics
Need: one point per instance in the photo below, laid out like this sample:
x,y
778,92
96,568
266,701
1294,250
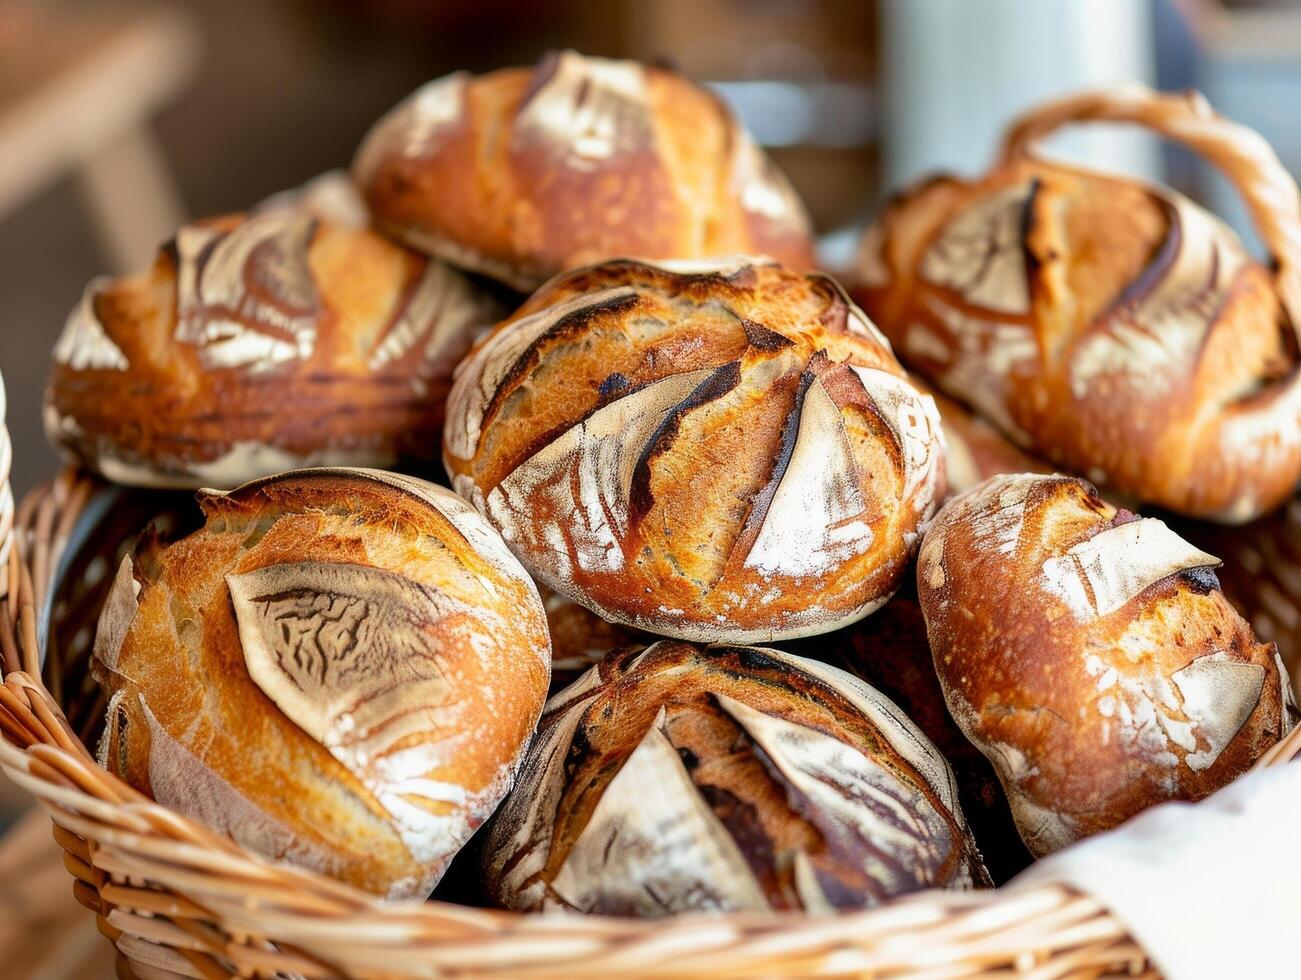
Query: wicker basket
x,y
177,900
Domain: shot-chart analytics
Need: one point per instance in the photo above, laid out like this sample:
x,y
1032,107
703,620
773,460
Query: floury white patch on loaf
x,y
816,518
997,512
723,265
653,846
660,834
585,476
440,315
1219,696
1159,325
587,110
84,343
1100,575
979,253
246,297
1264,438
760,187
340,647
915,422
350,654
896,727
982,355
413,127
481,375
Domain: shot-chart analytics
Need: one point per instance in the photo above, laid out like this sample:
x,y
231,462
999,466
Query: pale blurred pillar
x,y
954,72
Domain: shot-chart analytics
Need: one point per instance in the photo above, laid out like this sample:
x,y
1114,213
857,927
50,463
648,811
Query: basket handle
x,y
1240,153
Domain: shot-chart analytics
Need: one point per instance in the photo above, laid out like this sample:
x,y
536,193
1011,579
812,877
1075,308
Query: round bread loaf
x,y
340,670
1090,654
715,453
259,343
1115,328
677,778
524,172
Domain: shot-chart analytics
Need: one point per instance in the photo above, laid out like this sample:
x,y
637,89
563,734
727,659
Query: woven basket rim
x,y
178,899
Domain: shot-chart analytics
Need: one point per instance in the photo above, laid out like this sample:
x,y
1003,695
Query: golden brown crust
x,y
259,343
890,651
1261,575
1091,655
1117,329
778,783
340,669
522,173
730,452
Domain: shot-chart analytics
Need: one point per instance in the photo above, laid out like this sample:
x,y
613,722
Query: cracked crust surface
x,y
524,172
341,669
680,778
1091,655
714,452
1115,329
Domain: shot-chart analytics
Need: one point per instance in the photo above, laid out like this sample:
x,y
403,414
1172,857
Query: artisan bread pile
x,y
687,476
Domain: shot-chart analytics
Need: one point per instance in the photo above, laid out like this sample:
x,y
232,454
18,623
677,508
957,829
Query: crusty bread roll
x,y
677,778
1090,654
1116,328
340,670
524,172
715,453
260,343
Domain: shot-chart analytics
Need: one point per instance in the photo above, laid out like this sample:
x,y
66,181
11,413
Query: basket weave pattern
x,y
178,900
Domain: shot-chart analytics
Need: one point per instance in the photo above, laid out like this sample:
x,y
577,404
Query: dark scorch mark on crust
x,y
1032,262
1202,580
613,385
764,339
718,384
762,501
1163,258
570,323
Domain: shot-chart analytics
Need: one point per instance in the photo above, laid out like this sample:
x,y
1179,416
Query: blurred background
x,y
118,120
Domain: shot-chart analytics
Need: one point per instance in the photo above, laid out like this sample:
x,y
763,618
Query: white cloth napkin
x,y
1209,890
